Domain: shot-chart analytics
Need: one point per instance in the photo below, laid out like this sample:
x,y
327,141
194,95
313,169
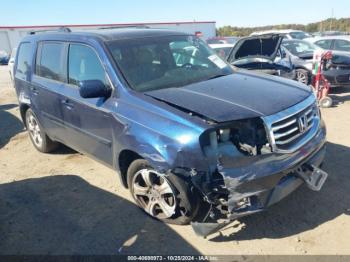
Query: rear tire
x,y
37,135
183,201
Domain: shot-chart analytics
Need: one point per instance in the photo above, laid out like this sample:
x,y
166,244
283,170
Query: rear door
x,y
47,85
88,121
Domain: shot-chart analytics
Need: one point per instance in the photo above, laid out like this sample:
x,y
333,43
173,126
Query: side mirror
x,y
93,89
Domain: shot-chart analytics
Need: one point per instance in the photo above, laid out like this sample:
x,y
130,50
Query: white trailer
x,y
10,36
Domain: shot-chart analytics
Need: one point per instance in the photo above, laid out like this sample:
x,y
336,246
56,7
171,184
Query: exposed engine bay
x,y
247,137
240,140
267,68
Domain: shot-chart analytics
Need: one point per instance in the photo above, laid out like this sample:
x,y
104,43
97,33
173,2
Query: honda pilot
x,y
193,138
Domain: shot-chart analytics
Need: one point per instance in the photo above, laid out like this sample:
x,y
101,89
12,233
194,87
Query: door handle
x,y
67,104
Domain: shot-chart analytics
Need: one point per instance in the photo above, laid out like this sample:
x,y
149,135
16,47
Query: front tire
x,y
37,135
168,198
302,76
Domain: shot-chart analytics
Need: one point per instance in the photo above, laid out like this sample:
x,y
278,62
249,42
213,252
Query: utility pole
x,y
332,15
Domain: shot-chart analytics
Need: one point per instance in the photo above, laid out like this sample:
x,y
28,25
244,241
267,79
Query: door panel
x,y
88,124
46,95
88,121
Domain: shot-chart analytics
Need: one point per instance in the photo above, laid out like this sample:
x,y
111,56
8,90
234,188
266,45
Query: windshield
x,y
300,48
299,35
163,62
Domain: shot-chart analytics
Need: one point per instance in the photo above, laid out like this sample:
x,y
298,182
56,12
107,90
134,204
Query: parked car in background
x,y
260,54
11,62
301,52
223,50
338,42
179,125
288,33
4,57
327,33
223,40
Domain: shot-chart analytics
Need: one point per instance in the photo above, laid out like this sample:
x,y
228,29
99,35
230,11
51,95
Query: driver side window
x,y
84,64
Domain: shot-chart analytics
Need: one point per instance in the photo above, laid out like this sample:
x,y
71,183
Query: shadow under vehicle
x,y
65,215
9,124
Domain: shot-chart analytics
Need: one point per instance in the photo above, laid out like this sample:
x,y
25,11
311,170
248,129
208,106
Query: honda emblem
x,y
303,123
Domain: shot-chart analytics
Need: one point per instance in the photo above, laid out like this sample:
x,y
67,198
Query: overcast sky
x,y
224,12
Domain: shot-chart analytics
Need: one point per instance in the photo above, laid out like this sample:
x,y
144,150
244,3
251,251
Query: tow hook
x,y
313,176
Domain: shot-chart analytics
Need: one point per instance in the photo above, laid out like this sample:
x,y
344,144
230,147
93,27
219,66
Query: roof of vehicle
x,y
223,37
285,40
314,39
214,46
299,41
105,34
281,31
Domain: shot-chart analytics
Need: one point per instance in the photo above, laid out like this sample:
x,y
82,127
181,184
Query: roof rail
x,y
126,26
61,29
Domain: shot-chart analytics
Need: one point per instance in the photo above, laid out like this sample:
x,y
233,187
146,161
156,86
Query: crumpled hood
x,y
237,96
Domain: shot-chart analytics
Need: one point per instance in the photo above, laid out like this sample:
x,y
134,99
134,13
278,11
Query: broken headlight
x,y
244,137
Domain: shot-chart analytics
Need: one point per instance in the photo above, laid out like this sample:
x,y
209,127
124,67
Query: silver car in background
x,y
288,33
12,63
334,42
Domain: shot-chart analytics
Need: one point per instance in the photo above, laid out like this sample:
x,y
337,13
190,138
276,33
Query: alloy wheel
x,y
154,193
34,130
301,77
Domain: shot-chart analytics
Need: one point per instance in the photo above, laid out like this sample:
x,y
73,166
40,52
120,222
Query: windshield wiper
x,y
217,76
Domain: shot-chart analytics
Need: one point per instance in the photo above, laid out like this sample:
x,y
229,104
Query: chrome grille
x,y
293,127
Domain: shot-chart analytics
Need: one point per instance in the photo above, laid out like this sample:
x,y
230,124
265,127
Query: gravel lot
x,y
66,203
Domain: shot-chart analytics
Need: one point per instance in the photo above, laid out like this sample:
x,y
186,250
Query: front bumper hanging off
x,y
251,194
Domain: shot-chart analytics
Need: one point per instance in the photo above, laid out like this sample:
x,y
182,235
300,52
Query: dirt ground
x,y
66,203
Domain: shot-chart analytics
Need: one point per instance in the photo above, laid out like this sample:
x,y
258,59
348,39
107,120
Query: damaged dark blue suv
x,y
187,133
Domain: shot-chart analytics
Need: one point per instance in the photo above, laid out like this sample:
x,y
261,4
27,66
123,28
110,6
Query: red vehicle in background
x,y
320,84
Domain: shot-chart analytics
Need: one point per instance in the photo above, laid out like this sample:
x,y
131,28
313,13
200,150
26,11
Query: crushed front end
x,y
255,163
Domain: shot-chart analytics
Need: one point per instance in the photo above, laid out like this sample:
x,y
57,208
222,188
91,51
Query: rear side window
x,y
50,61
84,64
24,58
325,44
342,45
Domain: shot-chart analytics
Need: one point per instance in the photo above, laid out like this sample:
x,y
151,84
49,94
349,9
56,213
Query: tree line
x,y
331,24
